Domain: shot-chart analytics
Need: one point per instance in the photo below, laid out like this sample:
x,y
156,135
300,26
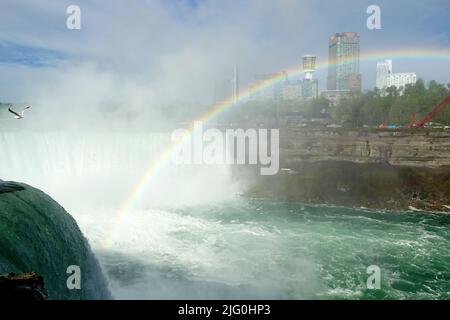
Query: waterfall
x,y
105,167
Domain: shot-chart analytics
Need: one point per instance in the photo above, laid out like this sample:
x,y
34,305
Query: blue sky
x,y
22,54
164,44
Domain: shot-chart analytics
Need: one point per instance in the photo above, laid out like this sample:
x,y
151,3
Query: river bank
x,y
383,169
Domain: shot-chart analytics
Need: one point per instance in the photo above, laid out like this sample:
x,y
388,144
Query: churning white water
x,y
92,174
104,168
190,236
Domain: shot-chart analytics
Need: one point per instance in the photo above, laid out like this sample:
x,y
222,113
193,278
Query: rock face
x,y
412,148
23,287
371,168
37,234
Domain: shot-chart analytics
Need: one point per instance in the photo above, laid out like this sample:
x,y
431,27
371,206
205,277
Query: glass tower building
x,y
343,62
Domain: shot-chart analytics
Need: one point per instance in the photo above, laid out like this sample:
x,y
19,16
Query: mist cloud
x,y
147,55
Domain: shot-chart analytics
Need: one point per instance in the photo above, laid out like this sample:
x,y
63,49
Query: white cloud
x,y
162,52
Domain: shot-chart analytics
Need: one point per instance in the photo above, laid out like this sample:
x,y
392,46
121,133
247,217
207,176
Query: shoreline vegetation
x,y
368,109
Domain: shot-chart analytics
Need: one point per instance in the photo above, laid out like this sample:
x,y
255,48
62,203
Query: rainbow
x,y
156,166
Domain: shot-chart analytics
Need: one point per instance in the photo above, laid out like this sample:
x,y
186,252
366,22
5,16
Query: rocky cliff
x,y
24,287
412,148
392,169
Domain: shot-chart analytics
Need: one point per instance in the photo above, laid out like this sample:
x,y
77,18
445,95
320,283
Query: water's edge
x,y
343,183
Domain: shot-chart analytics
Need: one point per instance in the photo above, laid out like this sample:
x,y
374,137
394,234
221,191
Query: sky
x,y
142,53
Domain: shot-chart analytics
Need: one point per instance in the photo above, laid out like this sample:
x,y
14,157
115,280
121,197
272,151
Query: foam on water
x,y
259,249
191,237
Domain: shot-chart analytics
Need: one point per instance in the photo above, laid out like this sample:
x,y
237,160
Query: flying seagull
x,y
20,115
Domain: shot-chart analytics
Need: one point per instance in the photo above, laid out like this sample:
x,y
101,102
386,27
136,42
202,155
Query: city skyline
x,y
291,88
197,41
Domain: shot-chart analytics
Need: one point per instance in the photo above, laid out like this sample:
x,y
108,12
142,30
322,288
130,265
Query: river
x,y
190,236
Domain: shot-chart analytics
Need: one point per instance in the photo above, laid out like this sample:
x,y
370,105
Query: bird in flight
x,y
20,115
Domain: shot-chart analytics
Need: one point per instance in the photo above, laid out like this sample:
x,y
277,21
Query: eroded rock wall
x,y
415,148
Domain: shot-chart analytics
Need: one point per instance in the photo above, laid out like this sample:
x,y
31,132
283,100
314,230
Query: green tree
x,y
392,105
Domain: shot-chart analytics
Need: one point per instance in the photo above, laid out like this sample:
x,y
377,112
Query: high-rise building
x,y
309,65
384,70
310,86
343,62
386,78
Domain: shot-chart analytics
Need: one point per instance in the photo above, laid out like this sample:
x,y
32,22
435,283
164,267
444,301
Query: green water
x,y
259,249
170,246
37,234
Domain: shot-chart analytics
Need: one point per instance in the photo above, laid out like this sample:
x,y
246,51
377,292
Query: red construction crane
x,y
419,124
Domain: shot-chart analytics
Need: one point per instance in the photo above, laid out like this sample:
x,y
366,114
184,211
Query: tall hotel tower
x,y
343,62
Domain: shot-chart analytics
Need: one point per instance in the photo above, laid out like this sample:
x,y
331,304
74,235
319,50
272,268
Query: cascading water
x,y
38,235
190,236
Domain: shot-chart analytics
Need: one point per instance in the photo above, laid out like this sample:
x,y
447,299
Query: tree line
x,y
391,106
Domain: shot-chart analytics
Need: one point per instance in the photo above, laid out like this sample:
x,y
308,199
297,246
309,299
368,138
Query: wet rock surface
x,y
23,287
405,147
396,169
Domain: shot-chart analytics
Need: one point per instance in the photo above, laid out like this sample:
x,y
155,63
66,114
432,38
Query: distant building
x,y
400,80
309,65
310,86
302,89
343,62
384,70
286,89
272,92
386,78
292,90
